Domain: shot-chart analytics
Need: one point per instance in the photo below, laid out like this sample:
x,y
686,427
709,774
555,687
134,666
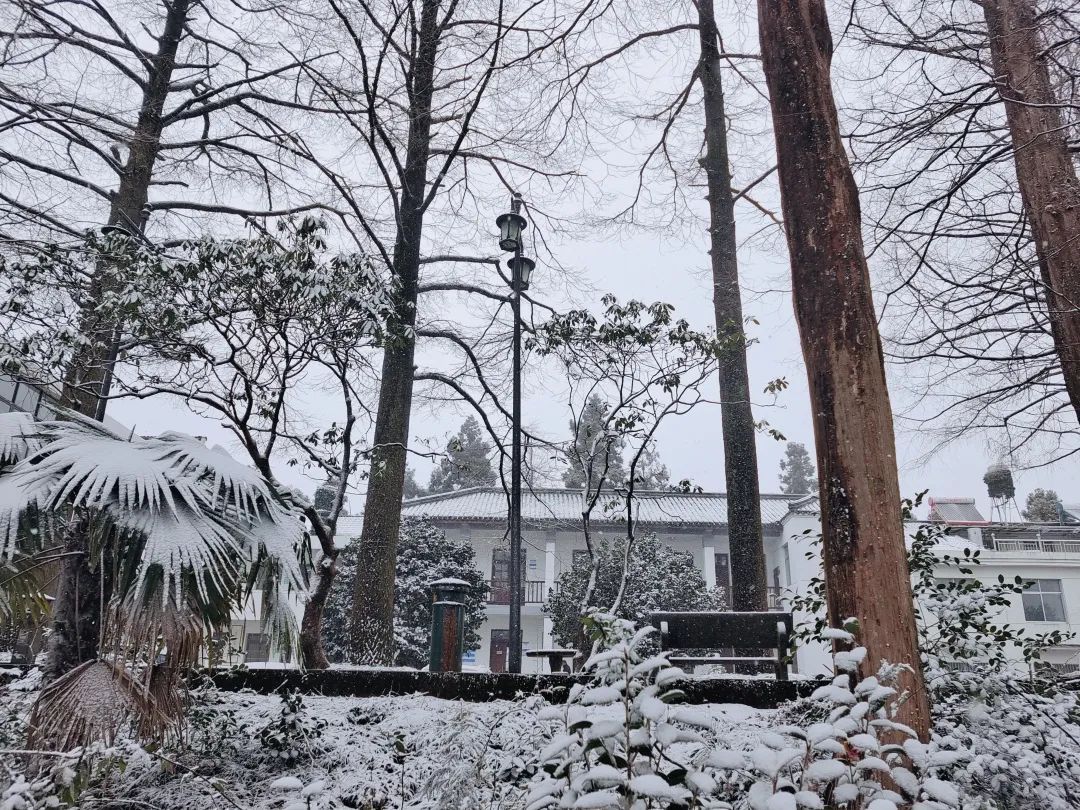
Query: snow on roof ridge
x,y
453,493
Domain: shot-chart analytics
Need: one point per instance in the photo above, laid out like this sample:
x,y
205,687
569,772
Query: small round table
x,y
556,656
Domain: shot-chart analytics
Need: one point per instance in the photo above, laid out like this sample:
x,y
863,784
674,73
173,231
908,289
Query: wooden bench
x,y
720,630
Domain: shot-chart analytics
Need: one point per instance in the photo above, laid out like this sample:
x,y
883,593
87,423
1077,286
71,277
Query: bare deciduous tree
x,y
969,313
670,120
431,94
644,367
1044,168
180,93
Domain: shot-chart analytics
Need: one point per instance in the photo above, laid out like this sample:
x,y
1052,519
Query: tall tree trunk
x,y
1044,169
77,615
866,570
90,371
740,447
372,631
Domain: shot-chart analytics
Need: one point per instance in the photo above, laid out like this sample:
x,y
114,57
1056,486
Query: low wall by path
x,y
480,687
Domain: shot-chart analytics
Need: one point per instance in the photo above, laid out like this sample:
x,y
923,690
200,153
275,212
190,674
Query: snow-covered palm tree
x,y
179,535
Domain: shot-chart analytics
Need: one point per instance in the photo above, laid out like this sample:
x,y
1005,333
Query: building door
x,y
500,577
500,645
722,567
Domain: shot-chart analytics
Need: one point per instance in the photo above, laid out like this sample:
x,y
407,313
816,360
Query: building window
x,y
27,398
7,388
1043,601
257,648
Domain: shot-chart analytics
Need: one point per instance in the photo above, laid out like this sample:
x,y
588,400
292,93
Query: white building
x,y
551,521
1048,556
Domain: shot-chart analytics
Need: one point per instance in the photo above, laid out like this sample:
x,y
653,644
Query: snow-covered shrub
x,y
213,727
858,758
292,734
480,760
63,781
1023,748
659,578
991,697
627,745
620,745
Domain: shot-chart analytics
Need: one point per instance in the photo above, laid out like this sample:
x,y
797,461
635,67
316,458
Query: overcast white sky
x,y
673,268
650,269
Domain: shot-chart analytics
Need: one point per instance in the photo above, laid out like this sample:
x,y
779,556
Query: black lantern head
x,y
521,267
510,228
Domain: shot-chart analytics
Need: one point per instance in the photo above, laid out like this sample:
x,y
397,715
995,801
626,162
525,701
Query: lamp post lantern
x,y
511,226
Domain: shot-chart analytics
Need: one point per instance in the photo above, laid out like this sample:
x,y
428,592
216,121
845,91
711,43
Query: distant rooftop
x,y
552,505
956,512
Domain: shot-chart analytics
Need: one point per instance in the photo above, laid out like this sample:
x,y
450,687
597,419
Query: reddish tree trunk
x,y
737,419
865,559
1044,169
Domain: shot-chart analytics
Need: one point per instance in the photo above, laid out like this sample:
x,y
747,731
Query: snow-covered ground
x,y
409,751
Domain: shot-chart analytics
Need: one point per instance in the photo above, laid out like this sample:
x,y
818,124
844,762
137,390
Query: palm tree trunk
x,y
865,560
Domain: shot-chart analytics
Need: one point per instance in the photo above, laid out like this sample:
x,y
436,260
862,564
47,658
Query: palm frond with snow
x,y
188,525
17,437
188,534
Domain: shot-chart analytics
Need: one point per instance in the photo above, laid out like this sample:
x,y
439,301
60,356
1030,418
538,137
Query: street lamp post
x,y
510,227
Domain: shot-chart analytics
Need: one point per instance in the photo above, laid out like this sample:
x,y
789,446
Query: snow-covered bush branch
x,y
627,744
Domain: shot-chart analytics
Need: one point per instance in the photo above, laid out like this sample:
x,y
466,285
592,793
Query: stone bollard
x,y
447,624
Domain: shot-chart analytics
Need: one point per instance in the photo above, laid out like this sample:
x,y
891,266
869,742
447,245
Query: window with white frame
x,y
1043,601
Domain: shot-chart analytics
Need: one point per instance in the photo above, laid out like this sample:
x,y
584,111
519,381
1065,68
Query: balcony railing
x,y
535,592
1036,545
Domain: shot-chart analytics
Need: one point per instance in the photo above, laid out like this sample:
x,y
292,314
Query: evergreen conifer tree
x,y
1042,506
424,554
595,454
797,474
467,462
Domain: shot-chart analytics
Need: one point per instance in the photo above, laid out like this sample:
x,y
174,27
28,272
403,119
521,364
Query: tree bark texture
x,y
372,632
740,442
865,560
76,629
89,374
312,653
79,598
1044,169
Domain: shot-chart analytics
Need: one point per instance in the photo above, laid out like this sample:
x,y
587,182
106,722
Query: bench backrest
x,y
708,631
